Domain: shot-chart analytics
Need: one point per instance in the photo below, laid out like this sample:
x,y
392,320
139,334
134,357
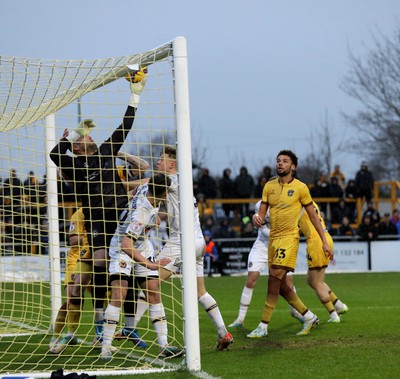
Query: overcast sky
x,y
262,73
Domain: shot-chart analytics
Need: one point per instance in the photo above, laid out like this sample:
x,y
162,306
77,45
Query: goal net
x,y
39,99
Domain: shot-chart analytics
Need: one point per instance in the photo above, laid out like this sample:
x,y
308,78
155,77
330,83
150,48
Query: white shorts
x,y
172,251
121,263
258,257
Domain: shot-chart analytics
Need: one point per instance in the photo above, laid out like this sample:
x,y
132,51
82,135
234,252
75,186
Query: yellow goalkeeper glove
x,y
137,79
83,129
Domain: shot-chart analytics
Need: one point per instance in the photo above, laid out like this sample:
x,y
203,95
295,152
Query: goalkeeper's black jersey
x,y
94,178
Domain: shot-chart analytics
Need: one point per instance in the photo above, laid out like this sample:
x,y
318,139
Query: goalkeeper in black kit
x,y
93,176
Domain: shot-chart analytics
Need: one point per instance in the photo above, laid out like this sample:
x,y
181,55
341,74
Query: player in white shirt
x,y
130,249
172,249
256,263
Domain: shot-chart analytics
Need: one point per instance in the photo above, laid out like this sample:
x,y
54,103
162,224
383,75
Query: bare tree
x,y
199,147
374,81
325,143
150,150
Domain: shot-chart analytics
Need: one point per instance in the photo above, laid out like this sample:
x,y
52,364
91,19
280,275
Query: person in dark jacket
x,y
335,191
207,185
351,192
364,182
345,228
367,230
387,228
244,186
227,190
93,174
342,210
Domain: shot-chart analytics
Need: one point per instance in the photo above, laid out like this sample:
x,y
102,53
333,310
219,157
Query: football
x,y
136,76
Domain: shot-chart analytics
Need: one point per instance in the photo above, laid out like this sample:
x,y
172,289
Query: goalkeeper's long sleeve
x,y
61,159
117,139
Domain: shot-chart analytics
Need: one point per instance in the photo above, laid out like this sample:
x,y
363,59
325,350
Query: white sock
x,y
141,307
245,301
263,325
338,304
111,318
157,316
334,315
211,307
308,316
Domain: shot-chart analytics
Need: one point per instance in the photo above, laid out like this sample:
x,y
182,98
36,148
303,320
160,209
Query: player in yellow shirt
x,y
317,264
79,248
285,196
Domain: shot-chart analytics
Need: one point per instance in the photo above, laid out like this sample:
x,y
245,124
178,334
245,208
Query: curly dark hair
x,y
291,155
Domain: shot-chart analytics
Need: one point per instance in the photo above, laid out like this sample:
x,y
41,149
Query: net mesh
x,y
30,90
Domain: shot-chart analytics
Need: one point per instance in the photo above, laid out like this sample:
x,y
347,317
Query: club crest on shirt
x,y
136,228
122,264
290,193
71,227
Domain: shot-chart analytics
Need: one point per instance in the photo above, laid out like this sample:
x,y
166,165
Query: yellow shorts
x,y
316,258
70,267
84,267
282,252
85,254
75,266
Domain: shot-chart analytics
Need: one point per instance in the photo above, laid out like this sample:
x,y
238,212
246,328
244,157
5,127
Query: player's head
x,y
167,161
286,163
207,235
158,185
84,145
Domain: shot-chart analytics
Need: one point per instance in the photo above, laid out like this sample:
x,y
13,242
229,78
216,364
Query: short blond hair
x,y
170,151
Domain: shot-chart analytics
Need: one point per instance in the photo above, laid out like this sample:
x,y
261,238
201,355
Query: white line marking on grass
x,y
21,325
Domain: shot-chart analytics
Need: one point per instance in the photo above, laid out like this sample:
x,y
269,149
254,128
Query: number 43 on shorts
x,y
280,253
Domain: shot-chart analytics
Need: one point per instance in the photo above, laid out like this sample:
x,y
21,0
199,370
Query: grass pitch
x,y
366,344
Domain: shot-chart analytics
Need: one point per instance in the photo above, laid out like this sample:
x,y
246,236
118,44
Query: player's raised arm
x,y
137,79
136,162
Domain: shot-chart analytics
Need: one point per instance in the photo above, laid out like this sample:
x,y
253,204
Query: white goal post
x,y
39,98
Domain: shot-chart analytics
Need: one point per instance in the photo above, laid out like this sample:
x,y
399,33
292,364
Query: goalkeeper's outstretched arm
x,y
138,80
60,157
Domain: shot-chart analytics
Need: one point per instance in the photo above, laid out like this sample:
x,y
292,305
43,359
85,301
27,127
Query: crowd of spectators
x,y
23,205
23,212
234,220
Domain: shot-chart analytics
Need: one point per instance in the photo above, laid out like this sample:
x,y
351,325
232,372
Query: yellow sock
x,y
296,303
269,307
60,322
333,297
272,298
73,318
329,306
